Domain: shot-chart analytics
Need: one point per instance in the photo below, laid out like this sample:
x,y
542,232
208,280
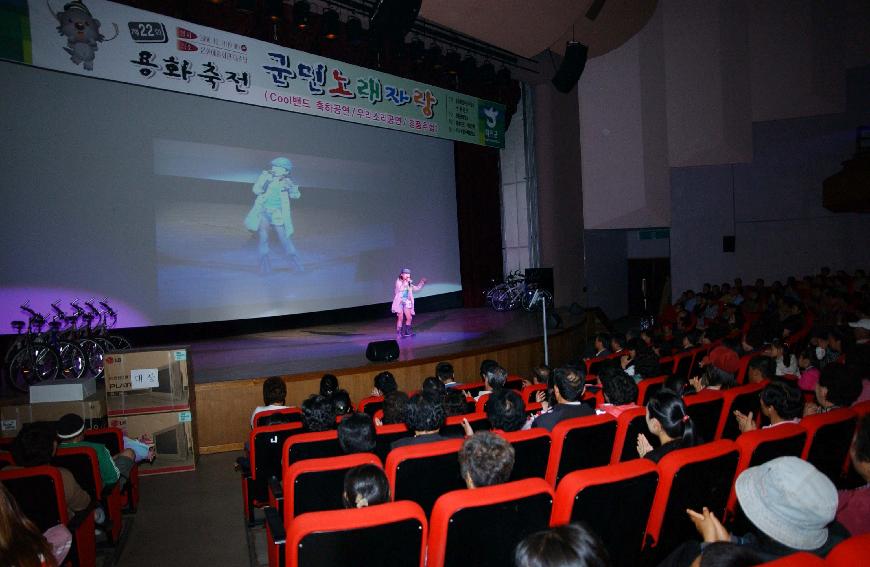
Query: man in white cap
x,y
791,506
71,433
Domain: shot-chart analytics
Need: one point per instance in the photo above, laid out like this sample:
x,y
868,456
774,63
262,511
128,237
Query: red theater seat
x,y
705,409
113,439
482,526
829,436
580,443
82,462
531,452
385,435
265,450
371,404
743,366
614,501
6,459
422,473
530,393
850,553
275,416
453,425
386,535
744,399
688,478
628,425
647,387
316,445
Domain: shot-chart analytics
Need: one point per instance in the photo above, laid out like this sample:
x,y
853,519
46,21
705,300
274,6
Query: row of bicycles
x,y
72,346
514,293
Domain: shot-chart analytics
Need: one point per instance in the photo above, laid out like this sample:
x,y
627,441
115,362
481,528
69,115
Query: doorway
x,y
650,275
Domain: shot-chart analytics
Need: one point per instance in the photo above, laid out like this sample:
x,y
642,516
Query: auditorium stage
x,y
333,348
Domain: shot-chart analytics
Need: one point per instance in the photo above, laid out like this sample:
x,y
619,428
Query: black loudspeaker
x,y
392,19
572,67
381,351
540,278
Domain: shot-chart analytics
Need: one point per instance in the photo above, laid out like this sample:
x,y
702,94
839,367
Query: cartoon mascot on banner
x,y
82,32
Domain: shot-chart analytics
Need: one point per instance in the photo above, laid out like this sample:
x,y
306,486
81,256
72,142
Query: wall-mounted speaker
x,y
572,66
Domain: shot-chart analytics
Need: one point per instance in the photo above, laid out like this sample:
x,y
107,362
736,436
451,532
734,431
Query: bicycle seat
x,y
18,325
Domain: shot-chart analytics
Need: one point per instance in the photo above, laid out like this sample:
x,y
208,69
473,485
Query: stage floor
x,y
342,346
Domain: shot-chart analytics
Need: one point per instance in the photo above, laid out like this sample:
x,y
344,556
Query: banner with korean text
x,y
111,41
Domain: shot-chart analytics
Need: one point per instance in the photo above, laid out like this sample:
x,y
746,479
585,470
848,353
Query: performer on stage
x,y
403,302
271,211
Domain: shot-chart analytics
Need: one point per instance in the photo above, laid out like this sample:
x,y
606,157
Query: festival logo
x,y
82,32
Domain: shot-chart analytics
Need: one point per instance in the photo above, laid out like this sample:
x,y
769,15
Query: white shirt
x,y
258,409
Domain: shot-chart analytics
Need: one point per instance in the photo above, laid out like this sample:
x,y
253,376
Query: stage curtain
x,y
478,204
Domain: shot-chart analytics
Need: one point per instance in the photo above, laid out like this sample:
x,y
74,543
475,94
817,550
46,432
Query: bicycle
x,y
507,295
30,359
534,297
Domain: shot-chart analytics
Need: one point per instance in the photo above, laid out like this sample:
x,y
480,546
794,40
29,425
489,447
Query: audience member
x,y
727,554
444,372
640,361
274,396
617,344
485,459
318,414
837,387
21,543
455,403
781,402
424,417
113,469
676,385
328,385
809,373
434,389
568,386
571,545
485,365
35,445
505,410
341,402
394,408
494,378
853,509
540,375
712,378
668,420
620,391
365,485
786,362
356,434
600,345
759,369
385,383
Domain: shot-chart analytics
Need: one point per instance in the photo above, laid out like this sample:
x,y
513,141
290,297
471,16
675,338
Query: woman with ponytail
x,y
668,420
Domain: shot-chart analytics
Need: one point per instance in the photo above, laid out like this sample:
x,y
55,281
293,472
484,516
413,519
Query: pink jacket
x,y
397,296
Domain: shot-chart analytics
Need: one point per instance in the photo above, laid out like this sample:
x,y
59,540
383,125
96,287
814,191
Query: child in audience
x,y
571,545
786,362
365,485
853,508
21,544
356,434
113,469
781,402
837,387
620,391
274,396
667,419
809,373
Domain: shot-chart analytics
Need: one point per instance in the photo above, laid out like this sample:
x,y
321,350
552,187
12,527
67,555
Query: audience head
x,y
506,410
34,445
540,374
783,398
423,414
619,388
569,383
485,366
571,545
759,369
666,413
455,403
601,342
341,402
70,428
485,459
394,407
675,384
860,450
444,372
21,542
274,391
727,554
837,386
385,383
434,389
715,378
617,342
495,377
788,500
328,385
356,434
365,485
318,413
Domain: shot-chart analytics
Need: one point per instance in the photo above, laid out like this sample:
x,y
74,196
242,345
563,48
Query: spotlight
x,y
301,14
354,30
451,62
329,24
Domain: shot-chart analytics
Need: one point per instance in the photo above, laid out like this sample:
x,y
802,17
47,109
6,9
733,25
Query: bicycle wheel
x,y
529,296
32,365
93,356
120,343
72,360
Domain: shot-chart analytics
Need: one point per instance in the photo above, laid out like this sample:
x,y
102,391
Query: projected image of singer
x,y
271,212
403,302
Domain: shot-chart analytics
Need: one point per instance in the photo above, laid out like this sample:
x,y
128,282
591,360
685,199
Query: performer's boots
x,y
265,264
408,332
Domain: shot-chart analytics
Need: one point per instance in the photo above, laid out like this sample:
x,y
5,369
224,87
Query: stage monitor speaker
x,y
382,351
572,67
393,19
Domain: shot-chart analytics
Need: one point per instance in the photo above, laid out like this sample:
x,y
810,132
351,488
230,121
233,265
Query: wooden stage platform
x,y
229,372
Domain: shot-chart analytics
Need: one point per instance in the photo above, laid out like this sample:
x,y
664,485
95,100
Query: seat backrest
x,y
480,403
265,446
386,535
371,404
39,494
453,425
314,485
861,408
482,526
802,559
683,364
762,445
84,465
850,552
689,478
743,366
422,473
385,435
629,424
111,437
531,452
705,409
514,382
743,399
530,392
829,436
647,387
277,416
6,459
472,388
614,501
315,445
580,443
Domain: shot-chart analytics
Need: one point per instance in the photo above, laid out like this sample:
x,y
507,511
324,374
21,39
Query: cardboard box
x,y
148,381
63,390
173,435
14,416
